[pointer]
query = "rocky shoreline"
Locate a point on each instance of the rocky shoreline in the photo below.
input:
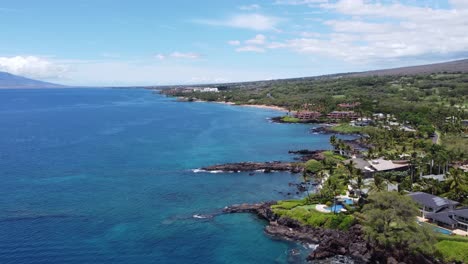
(265, 167)
(331, 243)
(279, 119)
(306, 154)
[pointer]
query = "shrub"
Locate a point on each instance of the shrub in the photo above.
(313, 166)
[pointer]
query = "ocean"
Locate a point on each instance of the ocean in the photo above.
(106, 176)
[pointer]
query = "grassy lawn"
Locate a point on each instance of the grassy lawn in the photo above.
(453, 250)
(346, 129)
(330, 154)
(307, 215)
(453, 141)
(290, 119)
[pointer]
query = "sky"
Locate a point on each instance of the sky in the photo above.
(147, 42)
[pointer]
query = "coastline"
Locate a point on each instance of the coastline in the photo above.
(268, 107)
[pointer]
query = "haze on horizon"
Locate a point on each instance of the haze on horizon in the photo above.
(178, 42)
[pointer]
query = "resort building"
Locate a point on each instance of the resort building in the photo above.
(349, 105)
(389, 165)
(342, 115)
(307, 115)
(441, 211)
(206, 90)
(369, 167)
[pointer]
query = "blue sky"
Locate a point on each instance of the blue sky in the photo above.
(104, 42)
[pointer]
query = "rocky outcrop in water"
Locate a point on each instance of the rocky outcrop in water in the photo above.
(279, 119)
(306, 154)
(256, 166)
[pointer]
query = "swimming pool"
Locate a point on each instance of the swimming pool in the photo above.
(437, 229)
(336, 208)
(442, 230)
(348, 201)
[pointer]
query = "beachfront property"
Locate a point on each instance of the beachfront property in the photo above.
(369, 167)
(383, 165)
(307, 115)
(441, 211)
(342, 115)
(206, 90)
(361, 122)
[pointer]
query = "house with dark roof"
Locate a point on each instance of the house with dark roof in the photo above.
(441, 211)
(429, 203)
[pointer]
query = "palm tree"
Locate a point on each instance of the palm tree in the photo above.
(332, 186)
(378, 185)
(333, 140)
(432, 186)
(457, 183)
(304, 177)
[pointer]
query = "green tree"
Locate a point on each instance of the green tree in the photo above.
(457, 184)
(313, 166)
(390, 223)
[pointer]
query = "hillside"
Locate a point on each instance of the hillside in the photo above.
(459, 66)
(11, 81)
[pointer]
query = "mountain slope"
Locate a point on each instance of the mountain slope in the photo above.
(8, 80)
(450, 67)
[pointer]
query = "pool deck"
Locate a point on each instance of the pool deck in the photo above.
(321, 208)
(421, 219)
(460, 232)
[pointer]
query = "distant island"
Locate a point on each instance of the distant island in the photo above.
(11, 81)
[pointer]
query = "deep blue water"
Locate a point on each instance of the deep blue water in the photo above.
(104, 176)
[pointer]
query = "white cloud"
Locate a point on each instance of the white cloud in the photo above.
(459, 4)
(251, 48)
(256, 44)
(249, 7)
(306, 34)
(181, 55)
(257, 22)
(234, 42)
(371, 30)
(32, 66)
(257, 40)
(178, 55)
(300, 2)
(160, 56)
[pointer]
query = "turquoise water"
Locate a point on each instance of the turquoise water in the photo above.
(349, 201)
(335, 208)
(442, 231)
(104, 176)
